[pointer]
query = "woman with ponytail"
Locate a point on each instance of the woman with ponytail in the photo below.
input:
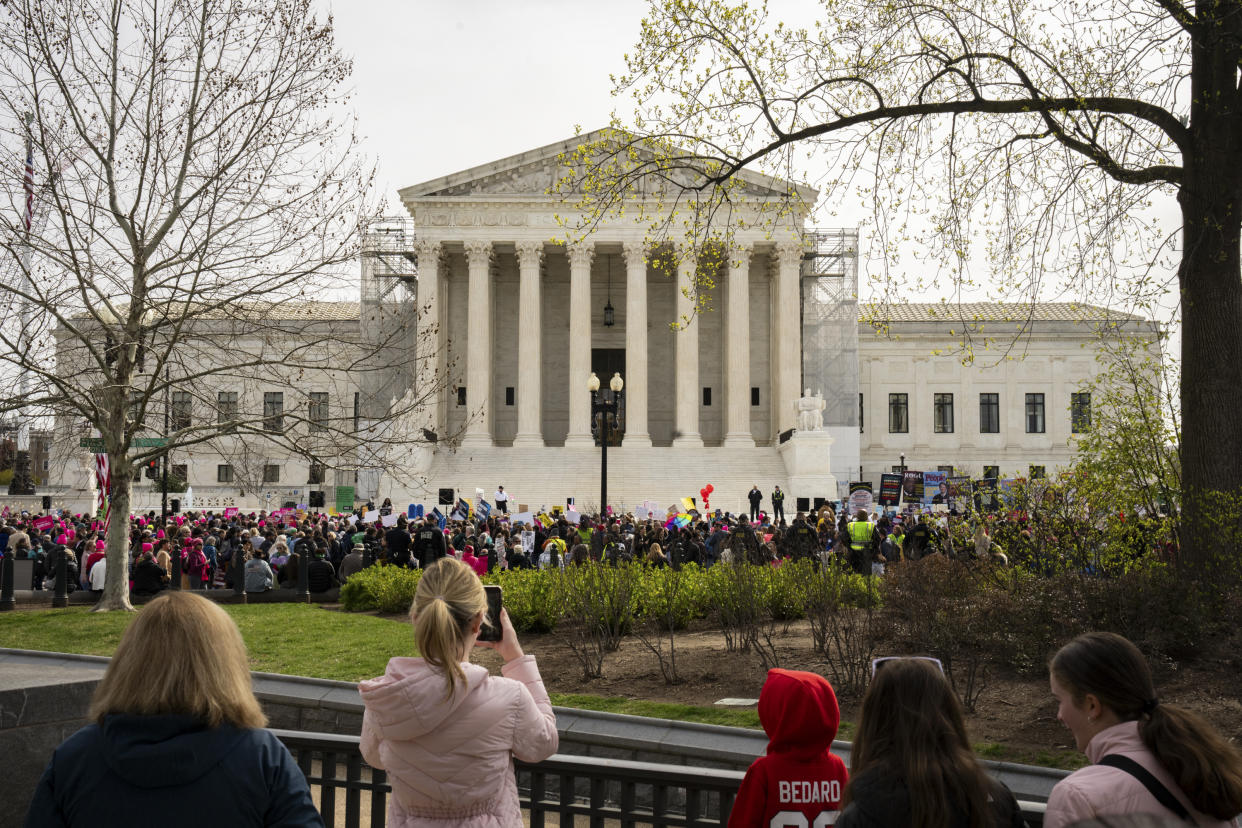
(445, 729)
(1147, 757)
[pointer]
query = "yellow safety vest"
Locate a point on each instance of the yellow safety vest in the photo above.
(860, 534)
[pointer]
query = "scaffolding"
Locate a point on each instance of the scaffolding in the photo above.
(389, 312)
(829, 293)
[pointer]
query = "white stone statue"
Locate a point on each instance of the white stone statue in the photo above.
(810, 411)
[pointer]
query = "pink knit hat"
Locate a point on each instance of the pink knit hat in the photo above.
(99, 546)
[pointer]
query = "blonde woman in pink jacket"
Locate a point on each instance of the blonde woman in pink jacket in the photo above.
(445, 729)
(1147, 757)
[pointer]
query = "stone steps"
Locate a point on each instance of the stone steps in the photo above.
(547, 476)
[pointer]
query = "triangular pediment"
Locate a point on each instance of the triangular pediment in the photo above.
(536, 172)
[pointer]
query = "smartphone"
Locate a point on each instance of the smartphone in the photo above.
(492, 631)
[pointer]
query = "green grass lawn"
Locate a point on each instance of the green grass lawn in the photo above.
(303, 640)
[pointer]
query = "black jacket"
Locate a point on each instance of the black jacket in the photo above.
(170, 770)
(429, 545)
(880, 800)
(148, 577)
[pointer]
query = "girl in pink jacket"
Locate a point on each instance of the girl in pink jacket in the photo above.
(446, 730)
(1147, 757)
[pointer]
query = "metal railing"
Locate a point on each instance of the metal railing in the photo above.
(570, 789)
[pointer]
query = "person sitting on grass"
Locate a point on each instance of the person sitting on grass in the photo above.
(798, 779)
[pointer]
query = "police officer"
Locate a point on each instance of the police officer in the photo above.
(861, 533)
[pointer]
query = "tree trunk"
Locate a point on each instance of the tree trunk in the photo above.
(1211, 292)
(116, 585)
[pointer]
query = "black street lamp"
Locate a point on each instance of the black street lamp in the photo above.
(603, 406)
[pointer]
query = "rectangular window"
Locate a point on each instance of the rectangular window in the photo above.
(461, 395)
(707, 396)
(226, 407)
(991, 471)
(318, 414)
(273, 411)
(179, 414)
(943, 413)
(318, 473)
(946, 469)
(224, 473)
(898, 413)
(180, 471)
(1037, 472)
(1034, 413)
(860, 413)
(509, 395)
(357, 410)
(754, 396)
(989, 413)
(1080, 412)
(271, 474)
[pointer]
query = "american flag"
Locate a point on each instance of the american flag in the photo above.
(28, 186)
(103, 482)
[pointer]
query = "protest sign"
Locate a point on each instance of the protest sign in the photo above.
(389, 520)
(573, 517)
(959, 493)
(44, 523)
(935, 487)
(231, 512)
(641, 513)
(860, 495)
(344, 498)
(890, 489)
(523, 517)
(370, 517)
(912, 487)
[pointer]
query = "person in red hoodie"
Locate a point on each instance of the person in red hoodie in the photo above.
(799, 778)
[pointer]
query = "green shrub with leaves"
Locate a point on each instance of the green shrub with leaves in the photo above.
(534, 598)
(380, 587)
(666, 596)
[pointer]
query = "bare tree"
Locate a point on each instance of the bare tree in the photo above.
(1031, 136)
(203, 186)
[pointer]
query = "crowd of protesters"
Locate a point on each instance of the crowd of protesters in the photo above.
(203, 550)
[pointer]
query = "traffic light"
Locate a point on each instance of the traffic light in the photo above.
(152, 469)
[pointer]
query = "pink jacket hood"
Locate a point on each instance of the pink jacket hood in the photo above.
(452, 757)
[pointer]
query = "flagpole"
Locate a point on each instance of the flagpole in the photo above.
(22, 483)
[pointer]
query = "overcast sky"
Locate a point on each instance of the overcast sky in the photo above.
(445, 85)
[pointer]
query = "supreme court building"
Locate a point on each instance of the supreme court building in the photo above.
(508, 322)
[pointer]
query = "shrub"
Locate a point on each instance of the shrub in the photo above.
(667, 597)
(598, 600)
(532, 597)
(381, 587)
(841, 607)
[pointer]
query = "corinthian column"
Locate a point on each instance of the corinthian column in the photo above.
(580, 255)
(478, 345)
(686, 353)
(530, 338)
(786, 362)
(430, 334)
(737, 349)
(635, 345)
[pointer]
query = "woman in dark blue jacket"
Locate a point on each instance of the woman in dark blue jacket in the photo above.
(177, 735)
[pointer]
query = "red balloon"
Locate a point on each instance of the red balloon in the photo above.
(710, 488)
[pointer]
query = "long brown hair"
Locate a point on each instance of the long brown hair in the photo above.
(911, 726)
(182, 654)
(448, 598)
(1206, 767)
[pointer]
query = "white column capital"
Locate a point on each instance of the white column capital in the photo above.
(634, 252)
(739, 254)
(478, 250)
(788, 253)
(529, 253)
(580, 254)
(428, 249)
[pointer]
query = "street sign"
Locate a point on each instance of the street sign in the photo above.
(96, 444)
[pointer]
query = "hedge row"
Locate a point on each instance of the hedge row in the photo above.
(537, 599)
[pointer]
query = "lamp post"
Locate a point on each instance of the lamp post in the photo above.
(603, 406)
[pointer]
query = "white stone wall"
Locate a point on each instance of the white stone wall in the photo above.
(1056, 360)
